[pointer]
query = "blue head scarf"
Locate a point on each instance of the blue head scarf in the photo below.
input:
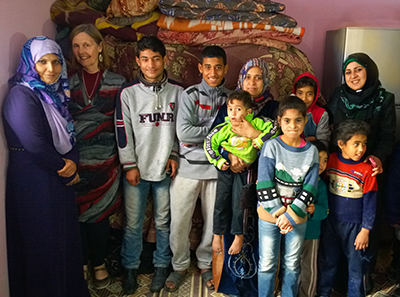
(54, 97)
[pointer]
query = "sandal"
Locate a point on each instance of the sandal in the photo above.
(176, 278)
(101, 283)
(206, 277)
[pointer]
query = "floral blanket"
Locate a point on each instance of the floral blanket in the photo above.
(186, 25)
(269, 18)
(240, 5)
(248, 36)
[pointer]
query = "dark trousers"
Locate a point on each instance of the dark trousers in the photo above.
(95, 241)
(396, 249)
(228, 217)
(337, 238)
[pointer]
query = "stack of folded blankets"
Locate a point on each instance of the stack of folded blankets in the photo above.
(197, 22)
(244, 28)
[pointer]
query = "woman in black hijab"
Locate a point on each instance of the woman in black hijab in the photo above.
(362, 97)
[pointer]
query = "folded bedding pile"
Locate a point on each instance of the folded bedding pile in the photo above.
(244, 28)
(196, 22)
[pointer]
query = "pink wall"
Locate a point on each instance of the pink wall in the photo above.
(22, 19)
(319, 16)
(19, 21)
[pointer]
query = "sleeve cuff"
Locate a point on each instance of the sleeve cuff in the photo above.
(290, 219)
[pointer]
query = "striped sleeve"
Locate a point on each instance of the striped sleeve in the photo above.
(124, 130)
(211, 145)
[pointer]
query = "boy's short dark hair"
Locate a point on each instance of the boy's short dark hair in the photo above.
(242, 96)
(305, 81)
(321, 147)
(151, 43)
(213, 51)
(348, 128)
(292, 102)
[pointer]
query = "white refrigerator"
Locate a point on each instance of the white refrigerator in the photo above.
(381, 44)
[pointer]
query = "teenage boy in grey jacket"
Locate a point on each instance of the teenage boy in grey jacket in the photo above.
(148, 151)
(196, 177)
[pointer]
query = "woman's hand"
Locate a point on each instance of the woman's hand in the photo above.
(75, 180)
(237, 164)
(283, 223)
(377, 167)
(245, 129)
(68, 170)
(362, 239)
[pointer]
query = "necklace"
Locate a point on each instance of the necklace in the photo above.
(94, 86)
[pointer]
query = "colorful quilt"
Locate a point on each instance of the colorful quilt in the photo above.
(129, 8)
(186, 25)
(268, 18)
(240, 5)
(250, 36)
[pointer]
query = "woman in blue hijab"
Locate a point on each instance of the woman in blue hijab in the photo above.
(43, 242)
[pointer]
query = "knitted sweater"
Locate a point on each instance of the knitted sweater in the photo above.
(242, 147)
(321, 211)
(352, 191)
(198, 107)
(286, 174)
(145, 127)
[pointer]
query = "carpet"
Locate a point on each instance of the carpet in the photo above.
(191, 287)
(194, 287)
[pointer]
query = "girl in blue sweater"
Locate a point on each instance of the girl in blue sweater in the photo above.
(287, 185)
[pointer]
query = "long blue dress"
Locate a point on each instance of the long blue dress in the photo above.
(43, 241)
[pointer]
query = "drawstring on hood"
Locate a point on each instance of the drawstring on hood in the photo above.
(157, 86)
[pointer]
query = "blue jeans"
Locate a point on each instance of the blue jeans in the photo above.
(135, 199)
(270, 245)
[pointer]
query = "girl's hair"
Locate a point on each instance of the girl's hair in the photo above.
(306, 81)
(241, 96)
(321, 147)
(95, 34)
(292, 102)
(349, 128)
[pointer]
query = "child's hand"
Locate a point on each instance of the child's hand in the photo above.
(362, 240)
(253, 142)
(311, 208)
(283, 223)
(225, 166)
